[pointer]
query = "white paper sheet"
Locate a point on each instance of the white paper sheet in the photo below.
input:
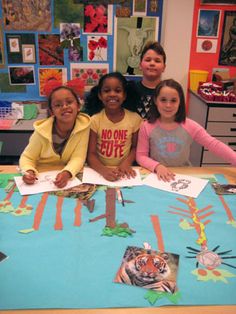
(92, 176)
(182, 184)
(43, 184)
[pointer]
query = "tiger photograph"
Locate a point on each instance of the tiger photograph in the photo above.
(149, 269)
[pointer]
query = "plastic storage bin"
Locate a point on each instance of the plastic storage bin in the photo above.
(197, 76)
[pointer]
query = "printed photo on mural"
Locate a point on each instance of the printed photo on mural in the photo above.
(97, 48)
(218, 2)
(89, 73)
(206, 45)
(47, 75)
(97, 18)
(228, 40)
(27, 15)
(139, 7)
(70, 39)
(28, 53)
(208, 23)
(68, 11)
(50, 50)
(153, 7)
(19, 75)
(133, 33)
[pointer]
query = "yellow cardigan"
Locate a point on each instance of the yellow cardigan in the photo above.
(39, 155)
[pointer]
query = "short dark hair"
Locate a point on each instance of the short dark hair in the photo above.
(62, 87)
(156, 46)
(154, 114)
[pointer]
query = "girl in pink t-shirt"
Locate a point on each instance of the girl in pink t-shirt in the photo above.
(165, 138)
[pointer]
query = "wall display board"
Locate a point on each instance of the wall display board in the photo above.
(82, 39)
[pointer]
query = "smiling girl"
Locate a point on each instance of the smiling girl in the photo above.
(114, 128)
(165, 139)
(58, 142)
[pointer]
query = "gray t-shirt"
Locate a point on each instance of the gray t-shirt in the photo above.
(170, 147)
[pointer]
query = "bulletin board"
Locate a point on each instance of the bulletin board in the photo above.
(212, 45)
(61, 255)
(66, 39)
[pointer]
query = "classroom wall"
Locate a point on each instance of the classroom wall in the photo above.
(30, 27)
(176, 38)
(209, 60)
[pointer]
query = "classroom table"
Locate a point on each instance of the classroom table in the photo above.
(230, 175)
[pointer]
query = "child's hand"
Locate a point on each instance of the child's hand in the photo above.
(62, 178)
(164, 173)
(29, 177)
(126, 171)
(111, 174)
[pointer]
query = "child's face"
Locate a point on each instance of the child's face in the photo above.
(152, 65)
(167, 103)
(112, 94)
(64, 106)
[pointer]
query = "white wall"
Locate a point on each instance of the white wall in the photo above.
(176, 38)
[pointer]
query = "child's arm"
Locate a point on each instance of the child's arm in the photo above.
(200, 135)
(111, 174)
(142, 152)
(125, 166)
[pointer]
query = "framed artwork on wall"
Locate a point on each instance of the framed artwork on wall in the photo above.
(2, 61)
(139, 7)
(228, 43)
(27, 15)
(133, 33)
(206, 45)
(218, 2)
(14, 43)
(51, 74)
(208, 23)
(28, 53)
(89, 73)
(19, 75)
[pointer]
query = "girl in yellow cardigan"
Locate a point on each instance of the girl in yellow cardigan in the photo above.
(58, 142)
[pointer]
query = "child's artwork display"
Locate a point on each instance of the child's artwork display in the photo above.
(44, 183)
(182, 184)
(80, 36)
(93, 177)
(150, 248)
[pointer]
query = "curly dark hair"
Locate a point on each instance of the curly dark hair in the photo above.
(94, 105)
(154, 114)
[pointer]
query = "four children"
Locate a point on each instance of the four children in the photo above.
(164, 140)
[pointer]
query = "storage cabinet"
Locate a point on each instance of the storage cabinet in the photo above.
(15, 139)
(219, 119)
